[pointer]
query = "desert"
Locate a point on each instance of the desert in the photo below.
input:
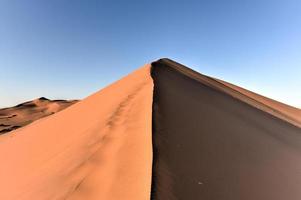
(161, 132)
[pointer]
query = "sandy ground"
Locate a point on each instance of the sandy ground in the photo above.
(211, 142)
(23, 114)
(99, 148)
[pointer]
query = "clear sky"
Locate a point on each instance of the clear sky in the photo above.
(72, 48)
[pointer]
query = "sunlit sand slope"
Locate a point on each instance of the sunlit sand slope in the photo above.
(99, 148)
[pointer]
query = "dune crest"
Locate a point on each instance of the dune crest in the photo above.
(289, 112)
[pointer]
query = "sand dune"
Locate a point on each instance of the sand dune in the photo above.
(163, 132)
(25, 113)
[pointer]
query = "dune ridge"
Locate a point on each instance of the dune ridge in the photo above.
(280, 110)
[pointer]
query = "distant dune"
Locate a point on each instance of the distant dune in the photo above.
(164, 132)
(25, 113)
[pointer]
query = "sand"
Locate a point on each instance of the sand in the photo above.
(163, 132)
(23, 114)
(99, 148)
(212, 143)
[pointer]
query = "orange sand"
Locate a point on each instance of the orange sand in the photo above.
(99, 148)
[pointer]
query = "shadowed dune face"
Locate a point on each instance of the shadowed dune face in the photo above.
(25, 113)
(210, 145)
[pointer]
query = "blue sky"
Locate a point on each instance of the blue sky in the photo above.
(72, 48)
